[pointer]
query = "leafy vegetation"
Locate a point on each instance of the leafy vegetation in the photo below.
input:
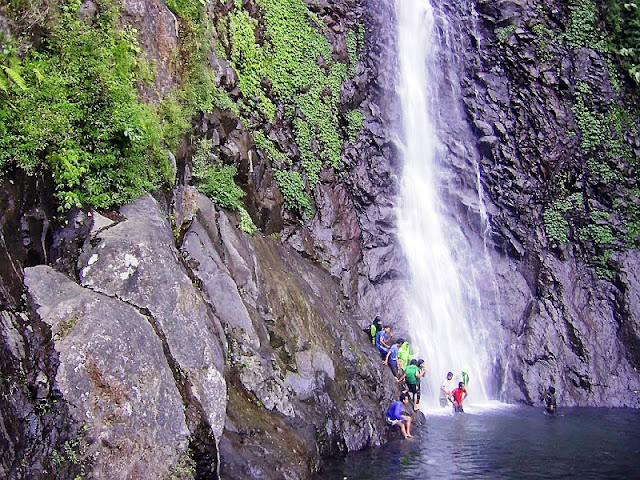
(354, 123)
(555, 224)
(503, 33)
(623, 24)
(292, 63)
(214, 179)
(291, 185)
(583, 30)
(72, 108)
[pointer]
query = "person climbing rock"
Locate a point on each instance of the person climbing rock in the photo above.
(412, 375)
(404, 356)
(459, 394)
(550, 401)
(445, 390)
(392, 357)
(383, 339)
(396, 417)
(376, 327)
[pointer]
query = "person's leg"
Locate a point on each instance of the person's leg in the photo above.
(408, 422)
(394, 369)
(403, 430)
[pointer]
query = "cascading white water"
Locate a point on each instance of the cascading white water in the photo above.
(442, 296)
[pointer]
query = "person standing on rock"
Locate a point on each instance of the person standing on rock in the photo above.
(396, 417)
(412, 375)
(376, 327)
(459, 394)
(392, 357)
(383, 337)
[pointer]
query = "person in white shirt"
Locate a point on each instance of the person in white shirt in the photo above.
(445, 390)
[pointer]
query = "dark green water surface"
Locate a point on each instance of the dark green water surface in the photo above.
(506, 443)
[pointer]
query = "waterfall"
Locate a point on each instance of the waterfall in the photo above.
(443, 297)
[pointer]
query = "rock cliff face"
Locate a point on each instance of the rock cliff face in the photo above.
(566, 303)
(159, 340)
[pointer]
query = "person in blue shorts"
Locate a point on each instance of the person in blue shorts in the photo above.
(396, 417)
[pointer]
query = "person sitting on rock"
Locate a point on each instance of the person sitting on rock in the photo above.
(550, 401)
(392, 357)
(396, 416)
(459, 394)
(383, 337)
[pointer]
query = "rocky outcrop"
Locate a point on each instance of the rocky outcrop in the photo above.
(187, 360)
(563, 316)
(114, 377)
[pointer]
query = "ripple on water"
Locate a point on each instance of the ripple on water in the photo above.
(497, 441)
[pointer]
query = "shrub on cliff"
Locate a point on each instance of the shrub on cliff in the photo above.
(76, 113)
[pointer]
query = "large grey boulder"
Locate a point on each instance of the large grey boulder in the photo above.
(136, 262)
(113, 374)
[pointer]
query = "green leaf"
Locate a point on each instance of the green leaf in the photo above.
(15, 77)
(39, 75)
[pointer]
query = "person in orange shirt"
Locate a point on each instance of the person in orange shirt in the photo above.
(459, 394)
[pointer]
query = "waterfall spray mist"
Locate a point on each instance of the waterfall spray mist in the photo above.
(442, 295)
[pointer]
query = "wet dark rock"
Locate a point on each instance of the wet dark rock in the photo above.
(157, 31)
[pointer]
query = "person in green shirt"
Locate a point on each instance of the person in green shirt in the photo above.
(412, 375)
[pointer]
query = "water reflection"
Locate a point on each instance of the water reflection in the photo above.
(514, 443)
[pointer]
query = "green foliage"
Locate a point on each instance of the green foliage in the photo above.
(292, 187)
(215, 180)
(622, 18)
(604, 268)
(355, 42)
(583, 30)
(544, 36)
(600, 234)
(246, 222)
(503, 33)
(555, 224)
(591, 123)
(601, 170)
(266, 144)
(293, 64)
(629, 209)
(185, 469)
(556, 227)
(354, 123)
(72, 108)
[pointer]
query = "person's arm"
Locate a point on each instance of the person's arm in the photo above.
(386, 359)
(384, 341)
